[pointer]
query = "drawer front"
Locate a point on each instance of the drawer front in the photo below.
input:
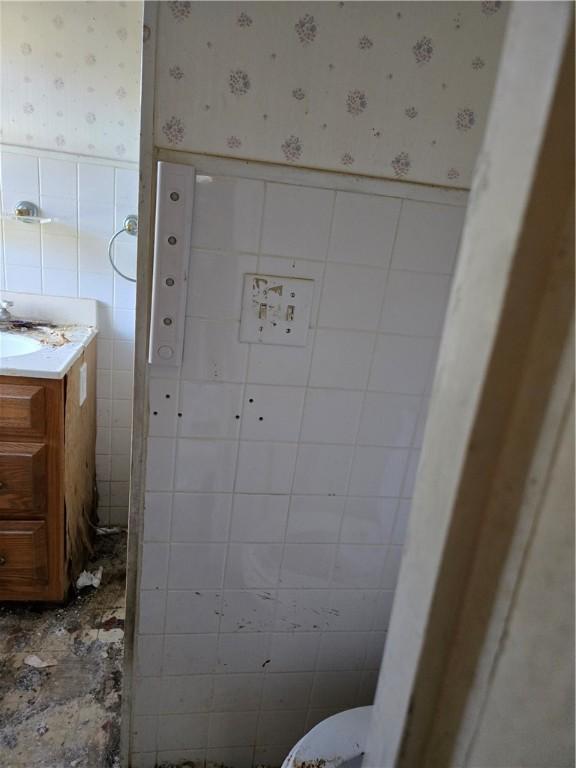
(23, 552)
(22, 409)
(22, 476)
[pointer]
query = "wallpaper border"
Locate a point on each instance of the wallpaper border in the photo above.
(219, 165)
(72, 157)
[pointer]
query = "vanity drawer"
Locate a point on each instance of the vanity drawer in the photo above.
(22, 476)
(22, 409)
(23, 551)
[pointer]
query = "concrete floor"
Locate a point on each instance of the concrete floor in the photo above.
(66, 715)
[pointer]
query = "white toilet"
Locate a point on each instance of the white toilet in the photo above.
(337, 742)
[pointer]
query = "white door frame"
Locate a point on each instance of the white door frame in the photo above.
(146, 196)
(502, 387)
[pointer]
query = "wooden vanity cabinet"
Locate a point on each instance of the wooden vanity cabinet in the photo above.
(47, 473)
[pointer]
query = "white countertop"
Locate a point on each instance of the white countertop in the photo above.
(50, 362)
(76, 320)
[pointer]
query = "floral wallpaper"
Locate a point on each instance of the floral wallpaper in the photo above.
(70, 76)
(392, 89)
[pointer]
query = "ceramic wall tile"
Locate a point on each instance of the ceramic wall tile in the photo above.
(259, 517)
(389, 419)
(227, 214)
(60, 282)
(351, 609)
(265, 467)
(342, 651)
(293, 652)
(205, 465)
(210, 409)
(287, 690)
(189, 655)
(182, 731)
(157, 516)
(232, 729)
(280, 365)
(307, 565)
(300, 610)
(364, 229)
(151, 617)
(368, 520)
(246, 611)
(341, 359)
(200, 516)
(237, 692)
(253, 566)
(415, 303)
(280, 727)
(335, 689)
(146, 695)
(199, 564)
(428, 236)
(67, 257)
(280, 477)
(216, 283)
(402, 364)
(238, 652)
(272, 413)
(322, 469)
(59, 252)
(297, 221)
(314, 518)
(352, 297)
(191, 611)
(186, 694)
(331, 416)
(359, 566)
(20, 179)
(378, 471)
(212, 351)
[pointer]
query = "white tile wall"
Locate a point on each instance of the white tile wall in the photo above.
(279, 478)
(68, 257)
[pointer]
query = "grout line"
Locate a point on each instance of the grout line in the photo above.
(242, 401)
(206, 590)
(319, 327)
(366, 390)
(308, 379)
(272, 591)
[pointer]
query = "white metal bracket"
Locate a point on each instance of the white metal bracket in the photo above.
(174, 205)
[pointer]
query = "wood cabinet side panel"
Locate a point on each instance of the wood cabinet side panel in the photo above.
(79, 462)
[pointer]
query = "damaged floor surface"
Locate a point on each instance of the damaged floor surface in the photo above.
(66, 715)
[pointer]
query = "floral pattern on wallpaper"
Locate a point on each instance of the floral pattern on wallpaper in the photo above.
(70, 76)
(392, 89)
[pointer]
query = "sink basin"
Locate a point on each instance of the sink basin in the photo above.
(13, 345)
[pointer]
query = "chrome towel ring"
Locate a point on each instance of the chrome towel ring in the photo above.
(130, 226)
